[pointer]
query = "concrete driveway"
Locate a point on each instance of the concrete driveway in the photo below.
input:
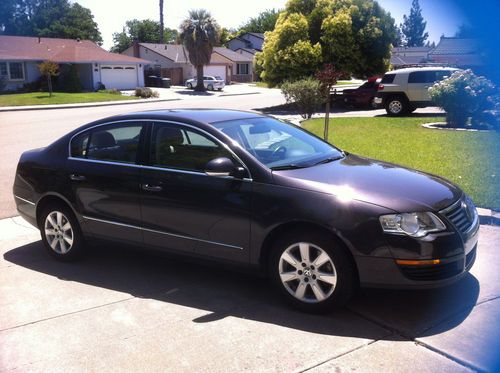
(120, 310)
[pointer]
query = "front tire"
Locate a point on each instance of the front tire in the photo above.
(396, 106)
(190, 86)
(61, 233)
(311, 271)
(210, 87)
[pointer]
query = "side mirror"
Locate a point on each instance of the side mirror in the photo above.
(221, 167)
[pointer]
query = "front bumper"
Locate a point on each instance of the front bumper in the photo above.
(456, 252)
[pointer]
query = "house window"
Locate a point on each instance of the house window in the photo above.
(242, 69)
(3, 69)
(16, 71)
(12, 70)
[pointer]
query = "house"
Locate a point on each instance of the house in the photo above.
(19, 56)
(247, 43)
(459, 52)
(409, 56)
(173, 61)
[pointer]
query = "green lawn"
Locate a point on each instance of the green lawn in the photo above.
(346, 82)
(469, 159)
(42, 98)
(261, 84)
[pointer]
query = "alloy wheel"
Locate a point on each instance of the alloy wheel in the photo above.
(395, 107)
(59, 232)
(307, 272)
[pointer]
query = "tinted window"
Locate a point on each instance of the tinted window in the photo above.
(115, 142)
(420, 77)
(181, 148)
(278, 144)
(79, 145)
(388, 78)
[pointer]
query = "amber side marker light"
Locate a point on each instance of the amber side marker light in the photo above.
(417, 262)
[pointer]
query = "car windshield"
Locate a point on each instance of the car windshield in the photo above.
(279, 145)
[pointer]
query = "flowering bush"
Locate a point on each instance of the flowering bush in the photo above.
(464, 95)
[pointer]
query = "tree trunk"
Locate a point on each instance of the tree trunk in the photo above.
(162, 28)
(49, 83)
(200, 86)
(327, 118)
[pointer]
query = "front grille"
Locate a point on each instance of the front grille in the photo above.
(433, 272)
(461, 214)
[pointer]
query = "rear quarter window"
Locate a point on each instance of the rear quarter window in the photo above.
(388, 78)
(79, 146)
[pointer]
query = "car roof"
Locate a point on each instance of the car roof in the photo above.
(427, 68)
(196, 115)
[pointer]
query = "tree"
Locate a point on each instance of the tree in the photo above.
(49, 69)
(354, 35)
(265, 21)
(145, 31)
(199, 34)
(327, 77)
(49, 18)
(288, 53)
(162, 26)
(413, 27)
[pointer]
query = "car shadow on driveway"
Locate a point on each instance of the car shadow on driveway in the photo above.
(223, 292)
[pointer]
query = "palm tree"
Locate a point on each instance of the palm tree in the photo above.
(199, 34)
(162, 28)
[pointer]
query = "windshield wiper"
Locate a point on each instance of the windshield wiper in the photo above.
(328, 160)
(291, 166)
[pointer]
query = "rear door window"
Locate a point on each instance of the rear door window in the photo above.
(115, 142)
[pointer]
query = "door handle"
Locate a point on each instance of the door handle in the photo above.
(76, 177)
(151, 188)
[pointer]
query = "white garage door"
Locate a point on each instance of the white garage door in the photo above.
(119, 76)
(215, 71)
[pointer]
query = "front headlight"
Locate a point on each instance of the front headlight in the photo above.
(414, 224)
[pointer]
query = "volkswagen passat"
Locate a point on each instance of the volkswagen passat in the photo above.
(244, 188)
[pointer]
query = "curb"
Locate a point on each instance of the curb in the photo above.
(240, 94)
(437, 126)
(84, 105)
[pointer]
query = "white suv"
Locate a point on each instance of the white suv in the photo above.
(402, 91)
(210, 82)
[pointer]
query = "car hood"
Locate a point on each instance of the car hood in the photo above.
(380, 183)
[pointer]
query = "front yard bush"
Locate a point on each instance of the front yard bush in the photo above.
(146, 92)
(305, 94)
(69, 80)
(465, 95)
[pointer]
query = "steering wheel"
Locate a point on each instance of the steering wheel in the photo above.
(279, 151)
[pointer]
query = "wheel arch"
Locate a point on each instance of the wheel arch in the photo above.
(53, 197)
(284, 228)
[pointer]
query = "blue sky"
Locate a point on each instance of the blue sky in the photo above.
(442, 16)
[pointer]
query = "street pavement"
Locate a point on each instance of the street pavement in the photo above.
(120, 310)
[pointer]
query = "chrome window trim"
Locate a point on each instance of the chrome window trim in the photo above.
(133, 165)
(160, 232)
(24, 200)
(151, 122)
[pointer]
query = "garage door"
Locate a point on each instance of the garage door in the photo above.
(215, 71)
(119, 76)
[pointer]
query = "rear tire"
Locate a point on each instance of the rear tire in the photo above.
(190, 86)
(210, 87)
(311, 271)
(396, 106)
(61, 233)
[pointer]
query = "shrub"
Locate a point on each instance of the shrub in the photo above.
(112, 91)
(70, 81)
(464, 95)
(100, 86)
(146, 92)
(3, 82)
(305, 94)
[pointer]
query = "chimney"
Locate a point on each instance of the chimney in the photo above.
(135, 44)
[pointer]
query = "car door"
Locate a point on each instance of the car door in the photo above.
(417, 82)
(184, 209)
(105, 179)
